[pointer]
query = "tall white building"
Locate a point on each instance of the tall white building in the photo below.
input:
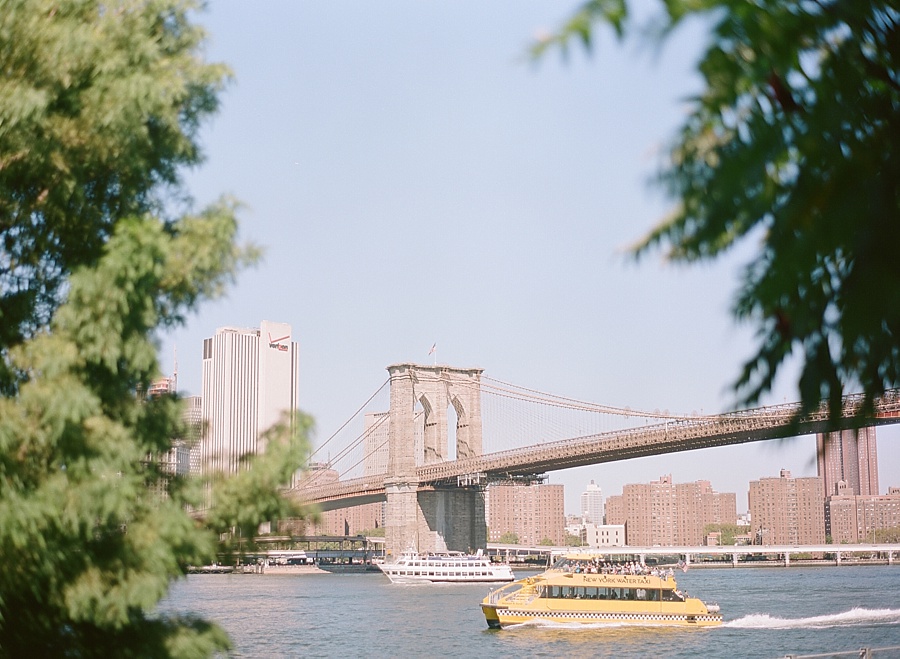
(376, 436)
(592, 504)
(250, 380)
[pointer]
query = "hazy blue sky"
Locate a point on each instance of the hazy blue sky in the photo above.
(415, 180)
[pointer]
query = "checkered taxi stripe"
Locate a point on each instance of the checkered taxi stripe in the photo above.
(618, 617)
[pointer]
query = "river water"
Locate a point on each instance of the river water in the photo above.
(769, 612)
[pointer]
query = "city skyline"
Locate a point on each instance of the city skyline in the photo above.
(417, 182)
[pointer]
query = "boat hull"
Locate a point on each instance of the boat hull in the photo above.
(499, 617)
(414, 579)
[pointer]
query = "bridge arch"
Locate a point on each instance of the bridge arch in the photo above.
(435, 388)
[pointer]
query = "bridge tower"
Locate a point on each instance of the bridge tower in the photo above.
(439, 518)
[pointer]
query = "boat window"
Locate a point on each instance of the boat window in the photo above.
(671, 596)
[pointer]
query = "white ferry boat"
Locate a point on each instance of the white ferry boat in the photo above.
(454, 567)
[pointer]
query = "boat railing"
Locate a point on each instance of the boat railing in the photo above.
(513, 591)
(522, 598)
(509, 590)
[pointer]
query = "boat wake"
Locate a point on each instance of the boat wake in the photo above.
(851, 618)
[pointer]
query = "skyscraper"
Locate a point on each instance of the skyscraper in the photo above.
(851, 456)
(250, 380)
(592, 504)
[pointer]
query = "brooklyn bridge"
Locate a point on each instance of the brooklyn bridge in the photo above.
(444, 433)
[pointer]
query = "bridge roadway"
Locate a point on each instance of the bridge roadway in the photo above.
(670, 436)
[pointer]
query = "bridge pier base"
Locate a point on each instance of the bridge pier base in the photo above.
(401, 517)
(437, 520)
(452, 519)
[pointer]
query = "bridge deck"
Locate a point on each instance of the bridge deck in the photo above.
(668, 437)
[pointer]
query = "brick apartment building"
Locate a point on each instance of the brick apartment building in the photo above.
(669, 514)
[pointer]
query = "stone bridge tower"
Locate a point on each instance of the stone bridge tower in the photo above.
(438, 518)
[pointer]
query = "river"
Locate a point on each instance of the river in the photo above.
(769, 612)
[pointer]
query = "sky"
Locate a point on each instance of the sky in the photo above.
(416, 180)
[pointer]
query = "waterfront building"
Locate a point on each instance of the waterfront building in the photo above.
(667, 514)
(357, 520)
(604, 535)
(193, 421)
(250, 381)
(854, 518)
(343, 521)
(534, 512)
(575, 527)
(850, 456)
(592, 504)
(376, 433)
(787, 510)
(614, 510)
(176, 460)
(163, 385)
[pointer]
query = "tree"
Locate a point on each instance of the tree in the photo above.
(509, 538)
(99, 103)
(888, 535)
(728, 532)
(573, 540)
(794, 141)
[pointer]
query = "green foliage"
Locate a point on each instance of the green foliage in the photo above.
(546, 542)
(373, 533)
(509, 538)
(793, 142)
(573, 540)
(99, 107)
(241, 501)
(90, 550)
(889, 535)
(728, 532)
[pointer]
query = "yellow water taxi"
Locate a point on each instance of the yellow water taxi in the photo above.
(581, 588)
